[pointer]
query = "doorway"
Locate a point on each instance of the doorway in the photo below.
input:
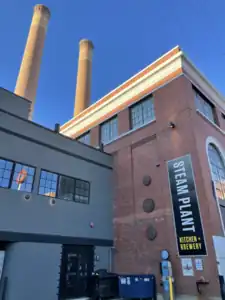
(77, 266)
(219, 246)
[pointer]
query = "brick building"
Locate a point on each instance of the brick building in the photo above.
(168, 111)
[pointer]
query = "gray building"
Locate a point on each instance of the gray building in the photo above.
(55, 208)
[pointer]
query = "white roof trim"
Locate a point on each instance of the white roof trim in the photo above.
(130, 86)
(179, 60)
(152, 77)
(200, 81)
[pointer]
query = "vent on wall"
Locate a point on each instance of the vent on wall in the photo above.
(27, 197)
(52, 201)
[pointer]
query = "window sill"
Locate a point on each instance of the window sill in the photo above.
(10, 189)
(130, 131)
(66, 200)
(208, 120)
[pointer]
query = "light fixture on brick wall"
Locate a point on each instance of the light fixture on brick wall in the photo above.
(171, 125)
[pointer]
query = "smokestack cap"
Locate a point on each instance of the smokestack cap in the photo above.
(86, 41)
(43, 10)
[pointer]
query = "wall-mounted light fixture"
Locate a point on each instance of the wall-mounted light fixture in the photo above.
(92, 225)
(171, 125)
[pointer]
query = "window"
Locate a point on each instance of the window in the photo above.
(48, 184)
(23, 177)
(109, 130)
(5, 173)
(64, 187)
(142, 113)
(16, 176)
(82, 191)
(85, 138)
(205, 107)
(218, 171)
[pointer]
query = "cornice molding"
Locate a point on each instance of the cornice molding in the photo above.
(161, 70)
(96, 112)
(200, 81)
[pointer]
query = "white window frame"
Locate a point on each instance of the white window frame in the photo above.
(109, 123)
(199, 99)
(81, 138)
(140, 103)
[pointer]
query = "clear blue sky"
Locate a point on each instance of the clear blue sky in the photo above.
(127, 34)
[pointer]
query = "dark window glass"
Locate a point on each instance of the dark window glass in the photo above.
(48, 184)
(5, 173)
(142, 113)
(109, 131)
(85, 138)
(205, 107)
(82, 191)
(66, 188)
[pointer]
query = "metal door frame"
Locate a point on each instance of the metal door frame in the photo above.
(75, 249)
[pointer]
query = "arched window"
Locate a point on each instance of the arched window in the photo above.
(217, 172)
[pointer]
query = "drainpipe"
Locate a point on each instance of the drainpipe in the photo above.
(111, 250)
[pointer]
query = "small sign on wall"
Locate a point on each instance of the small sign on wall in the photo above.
(199, 264)
(187, 267)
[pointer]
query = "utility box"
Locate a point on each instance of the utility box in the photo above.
(137, 286)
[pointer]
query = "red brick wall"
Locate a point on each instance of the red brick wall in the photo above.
(95, 136)
(123, 121)
(145, 152)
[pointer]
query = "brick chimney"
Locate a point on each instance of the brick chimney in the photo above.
(27, 81)
(83, 87)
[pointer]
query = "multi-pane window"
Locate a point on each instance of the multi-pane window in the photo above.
(109, 130)
(205, 107)
(16, 176)
(82, 191)
(64, 187)
(85, 138)
(48, 184)
(5, 173)
(218, 171)
(23, 177)
(142, 113)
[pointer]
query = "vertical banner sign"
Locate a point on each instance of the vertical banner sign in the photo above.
(187, 219)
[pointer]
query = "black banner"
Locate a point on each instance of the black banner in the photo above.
(190, 236)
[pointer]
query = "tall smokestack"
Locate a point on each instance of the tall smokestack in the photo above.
(83, 88)
(27, 81)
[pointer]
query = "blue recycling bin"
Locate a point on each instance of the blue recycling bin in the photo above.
(137, 286)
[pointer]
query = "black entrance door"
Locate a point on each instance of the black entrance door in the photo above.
(76, 268)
